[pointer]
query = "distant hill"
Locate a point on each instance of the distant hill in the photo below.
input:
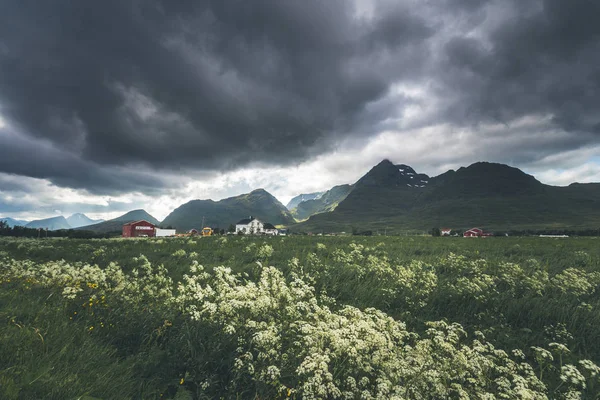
(326, 202)
(52, 224)
(258, 203)
(395, 198)
(14, 222)
(116, 224)
(136, 215)
(293, 203)
(78, 220)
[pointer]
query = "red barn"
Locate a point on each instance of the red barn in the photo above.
(477, 232)
(473, 232)
(139, 229)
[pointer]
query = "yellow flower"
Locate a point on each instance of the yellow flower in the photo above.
(289, 392)
(181, 381)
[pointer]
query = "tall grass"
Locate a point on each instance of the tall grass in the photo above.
(334, 318)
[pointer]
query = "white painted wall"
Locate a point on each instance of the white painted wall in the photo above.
(164, 232)
(254, 226)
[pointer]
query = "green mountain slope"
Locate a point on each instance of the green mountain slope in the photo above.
(258, 203)
(326, 202)
(136, 215)
(52, 224)
(488, 195)
(116, 224)
(293, 203)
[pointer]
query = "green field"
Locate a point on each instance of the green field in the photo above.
(302, 317)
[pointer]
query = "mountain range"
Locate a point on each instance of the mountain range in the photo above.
(395, 198)
(54, 223)
(14, 222)
(216, 214)
(390, 198)
(220, 214)
(116, 224)
(78, 220)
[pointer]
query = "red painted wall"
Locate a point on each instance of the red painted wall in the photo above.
(139, 229)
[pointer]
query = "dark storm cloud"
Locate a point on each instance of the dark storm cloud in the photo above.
(21, 156)
(203, 83)
(544, 58)
(178, 85)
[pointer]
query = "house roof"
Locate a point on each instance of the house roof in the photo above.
(135, 222)
(267, 225)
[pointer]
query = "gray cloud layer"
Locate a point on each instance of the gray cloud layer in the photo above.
(90, 88)
(544, 57)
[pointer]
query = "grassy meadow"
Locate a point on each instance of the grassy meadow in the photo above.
(301, 317)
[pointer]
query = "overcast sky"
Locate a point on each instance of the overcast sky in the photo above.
(107, 106)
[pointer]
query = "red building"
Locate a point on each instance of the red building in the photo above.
(139, 229)
(473, 232)
(476, 232)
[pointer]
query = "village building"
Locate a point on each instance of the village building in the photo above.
(139, 229)
(476, 232)
(165, 232)
(445, 231)
(473, 232)
(249, 225)
(254, 226)
(269, 229)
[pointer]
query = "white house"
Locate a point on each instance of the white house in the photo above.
(249, 226)
(445, 231)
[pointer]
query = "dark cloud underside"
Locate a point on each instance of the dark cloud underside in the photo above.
(192, 82)
(220, 84)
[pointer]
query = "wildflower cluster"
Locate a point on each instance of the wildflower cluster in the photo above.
(288, 339)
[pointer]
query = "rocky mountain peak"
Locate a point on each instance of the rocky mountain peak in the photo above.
(387, 174)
